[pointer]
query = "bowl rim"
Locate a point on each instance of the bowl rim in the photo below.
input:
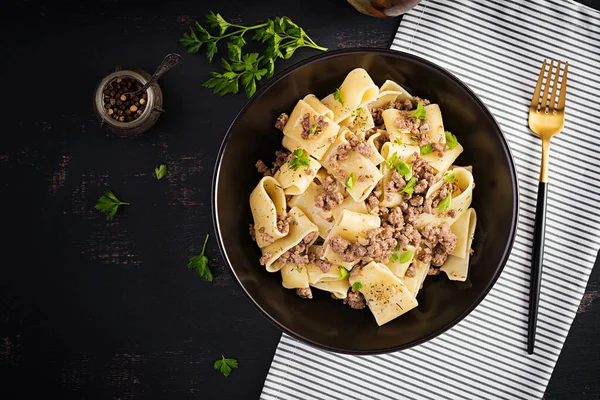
(399, 55)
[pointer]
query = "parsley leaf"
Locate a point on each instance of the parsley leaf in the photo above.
(224, 365)
(108, 203)
(299, 157)
(350, 181)
(343, 273)
(398, 140)
(419, 112)
(299, 270)
(450, 178)
(405, 257)
(410, 186)
(445, 203)
(427, 149)
(313, 129)
(337, 95)
(160, 171)
(357, 286)
(199, 263)
(451, 140)
(397, 247)
(394, 257)
(414, 138)
(282, 37)
(400, 166)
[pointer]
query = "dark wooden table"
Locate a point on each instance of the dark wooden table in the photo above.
(97, 308)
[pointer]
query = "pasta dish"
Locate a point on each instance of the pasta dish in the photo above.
(364, 200)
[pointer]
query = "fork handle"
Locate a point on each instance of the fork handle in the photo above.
(536, 264)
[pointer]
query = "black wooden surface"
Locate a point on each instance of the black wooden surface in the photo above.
(91, 308)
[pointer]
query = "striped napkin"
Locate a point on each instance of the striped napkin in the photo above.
(497, 48)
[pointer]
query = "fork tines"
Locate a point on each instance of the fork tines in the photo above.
(550, 103)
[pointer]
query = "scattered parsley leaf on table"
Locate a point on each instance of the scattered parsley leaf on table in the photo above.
(224, 365)
(160, 171)
(299, 157)
(282, 37)
(199, 263)
(108, 203)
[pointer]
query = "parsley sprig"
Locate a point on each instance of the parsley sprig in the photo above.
(225, 365)
(199, 263)
(108, 203)
(281, 35)
(160, 171)
(357, 286)
(451, 140)
(404, 169)
(299, 158)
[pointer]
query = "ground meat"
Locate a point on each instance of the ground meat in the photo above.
(328, 201)
(444, 191)
(281, 157)
(443, 241)
(373, 203)
(417, 99)
(370, 132)
(408, 235)
(424, 128)
(267, 239)
(340, 154)
(331, 197)
(305, 293)
(411, 214)
(364, 148)
(439, 148)
(425, 255)
(297, 255)
(309, 171)
(376, 114)
(411, 271)
(323, 265)
(427, 209)
(281, 121)
(355, 300)
(452, 213)
(395, 218)
(422, 170)
(378, 246)
(396, 183)
(403, 105)
(411, 124)
(265, 257)
(312, 129)
(252, 232)
(283, 223)
(421, 186)
(416, 201)
(433, 271)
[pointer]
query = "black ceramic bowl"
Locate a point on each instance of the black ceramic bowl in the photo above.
(322, 321)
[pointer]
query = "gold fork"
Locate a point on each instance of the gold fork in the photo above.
(546, 119)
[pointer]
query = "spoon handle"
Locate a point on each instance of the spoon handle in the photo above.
(169, 62)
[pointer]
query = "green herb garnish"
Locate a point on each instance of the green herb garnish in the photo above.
(224, 365)
(313, 129)
(299, 270)
(419, 112)
(199, 263)
(445, 203)
(427, 149)
(357, 286)
(451, 140)
(108, 203)
(398, 140)
(343, 273)
(160, 171)
(282, 37)
(405, 257)
(337, 95)
(299, 158)
(400, 166)
(410, 186)
(350, 181)
(450, 178)
(394, 257)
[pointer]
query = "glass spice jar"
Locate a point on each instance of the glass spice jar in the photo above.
(143, 122)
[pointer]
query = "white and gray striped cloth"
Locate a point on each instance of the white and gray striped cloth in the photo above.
(497, 48)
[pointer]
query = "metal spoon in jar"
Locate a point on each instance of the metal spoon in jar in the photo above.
(169, 62)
